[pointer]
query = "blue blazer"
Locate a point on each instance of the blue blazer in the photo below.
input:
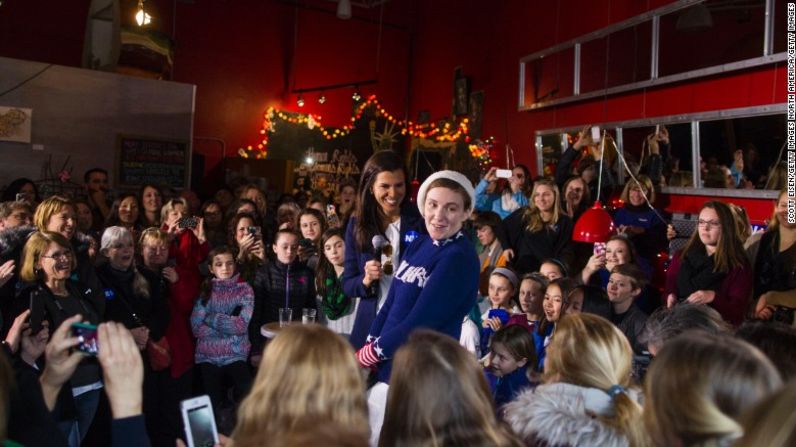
(354, 270)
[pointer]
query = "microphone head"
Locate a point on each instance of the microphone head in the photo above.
(379, 242)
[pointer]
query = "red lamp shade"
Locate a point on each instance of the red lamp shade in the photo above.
(594, 225)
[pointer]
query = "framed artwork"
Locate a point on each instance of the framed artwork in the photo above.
(15, 124)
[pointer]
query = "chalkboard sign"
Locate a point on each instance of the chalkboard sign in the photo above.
(142, 160)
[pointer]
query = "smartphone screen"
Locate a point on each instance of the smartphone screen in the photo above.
(87, 336)
(595, 134)
(201, 426)
(36, 313)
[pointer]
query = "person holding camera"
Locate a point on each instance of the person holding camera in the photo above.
(514, 195)
(245, 236)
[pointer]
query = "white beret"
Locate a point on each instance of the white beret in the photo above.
(450, 175)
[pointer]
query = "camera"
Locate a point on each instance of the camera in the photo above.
(188, 222)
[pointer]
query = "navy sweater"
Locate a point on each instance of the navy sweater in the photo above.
(435, 286)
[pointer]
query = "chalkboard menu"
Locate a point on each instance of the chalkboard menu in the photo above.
(142, 160)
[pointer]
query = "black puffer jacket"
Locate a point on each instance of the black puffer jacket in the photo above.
(277, 285)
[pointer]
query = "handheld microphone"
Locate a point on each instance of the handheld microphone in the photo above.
(379, 242)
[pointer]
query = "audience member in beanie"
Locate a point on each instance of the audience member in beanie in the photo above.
(383, 209)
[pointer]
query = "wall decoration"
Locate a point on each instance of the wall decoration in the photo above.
(320, 172)
(15, 124)
(476, 113)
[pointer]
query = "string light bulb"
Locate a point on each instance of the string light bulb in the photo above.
(356, 96)
(300, 101)
(322, 99)
(141, 17)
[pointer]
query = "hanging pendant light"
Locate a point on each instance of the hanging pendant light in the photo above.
(595, 224)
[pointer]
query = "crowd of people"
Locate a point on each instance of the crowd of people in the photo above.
(467, 317)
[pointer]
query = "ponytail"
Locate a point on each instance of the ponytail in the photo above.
(627, 420)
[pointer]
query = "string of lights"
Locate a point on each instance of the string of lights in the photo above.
(445, 132)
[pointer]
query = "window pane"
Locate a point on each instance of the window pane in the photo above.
(625, 53)
(676, 160)
(550, 77)
(712, 33)
(757, 140)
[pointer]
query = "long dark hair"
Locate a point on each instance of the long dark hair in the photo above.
(730, 253)
(207, 285)
(113, 216)
(370, 219)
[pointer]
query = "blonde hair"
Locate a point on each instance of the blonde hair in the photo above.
(49, 207)
(439, 397)
(169, 207)
(307, 371)
(644, 183)
(773, 223)
(772, 422)
(700, 384)
(153, 234)
(533, 216)
(590, 351)
(37, 244)
(113, 236)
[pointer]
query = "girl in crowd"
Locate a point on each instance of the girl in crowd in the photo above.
(382, 209)
(699, 386)
(308, 375)
(532, 288)
(775, 266)
(514, 194)
(246, 236)
(257, 195)
(286, 216)
(151, 200)
(285, 283)
(436, 284)
(576, 197)
(636, 219)
(346, 200)
(130, 301)
(214, 223)
(461, 412)
(312, 224)
(337, 309)
(555, 306)
(162, 396)
(502, 303)
(85, 220)
(125, 212)
(619, 250)
(507, 373)
(537, 231)
(712, 268)
(553, 269)
(48, 261)
(589, 299)
(585, 398)
(220, 323)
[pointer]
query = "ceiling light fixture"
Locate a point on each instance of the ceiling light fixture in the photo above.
(141, 17)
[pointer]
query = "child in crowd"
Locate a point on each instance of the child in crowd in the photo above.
(491, 257)
(502, 295)
(312, 224)
(553, 269)
(284, 282)
(337, 309)
(624, 286)
(555, 306)
(507, 373)
(532, 288)
(220, 321)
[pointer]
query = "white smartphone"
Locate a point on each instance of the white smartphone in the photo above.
(595, 134)
(503, 173)
(657, 129)
(199, 422)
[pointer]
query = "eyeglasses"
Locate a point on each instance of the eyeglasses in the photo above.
(708, 223)
(60, 255)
